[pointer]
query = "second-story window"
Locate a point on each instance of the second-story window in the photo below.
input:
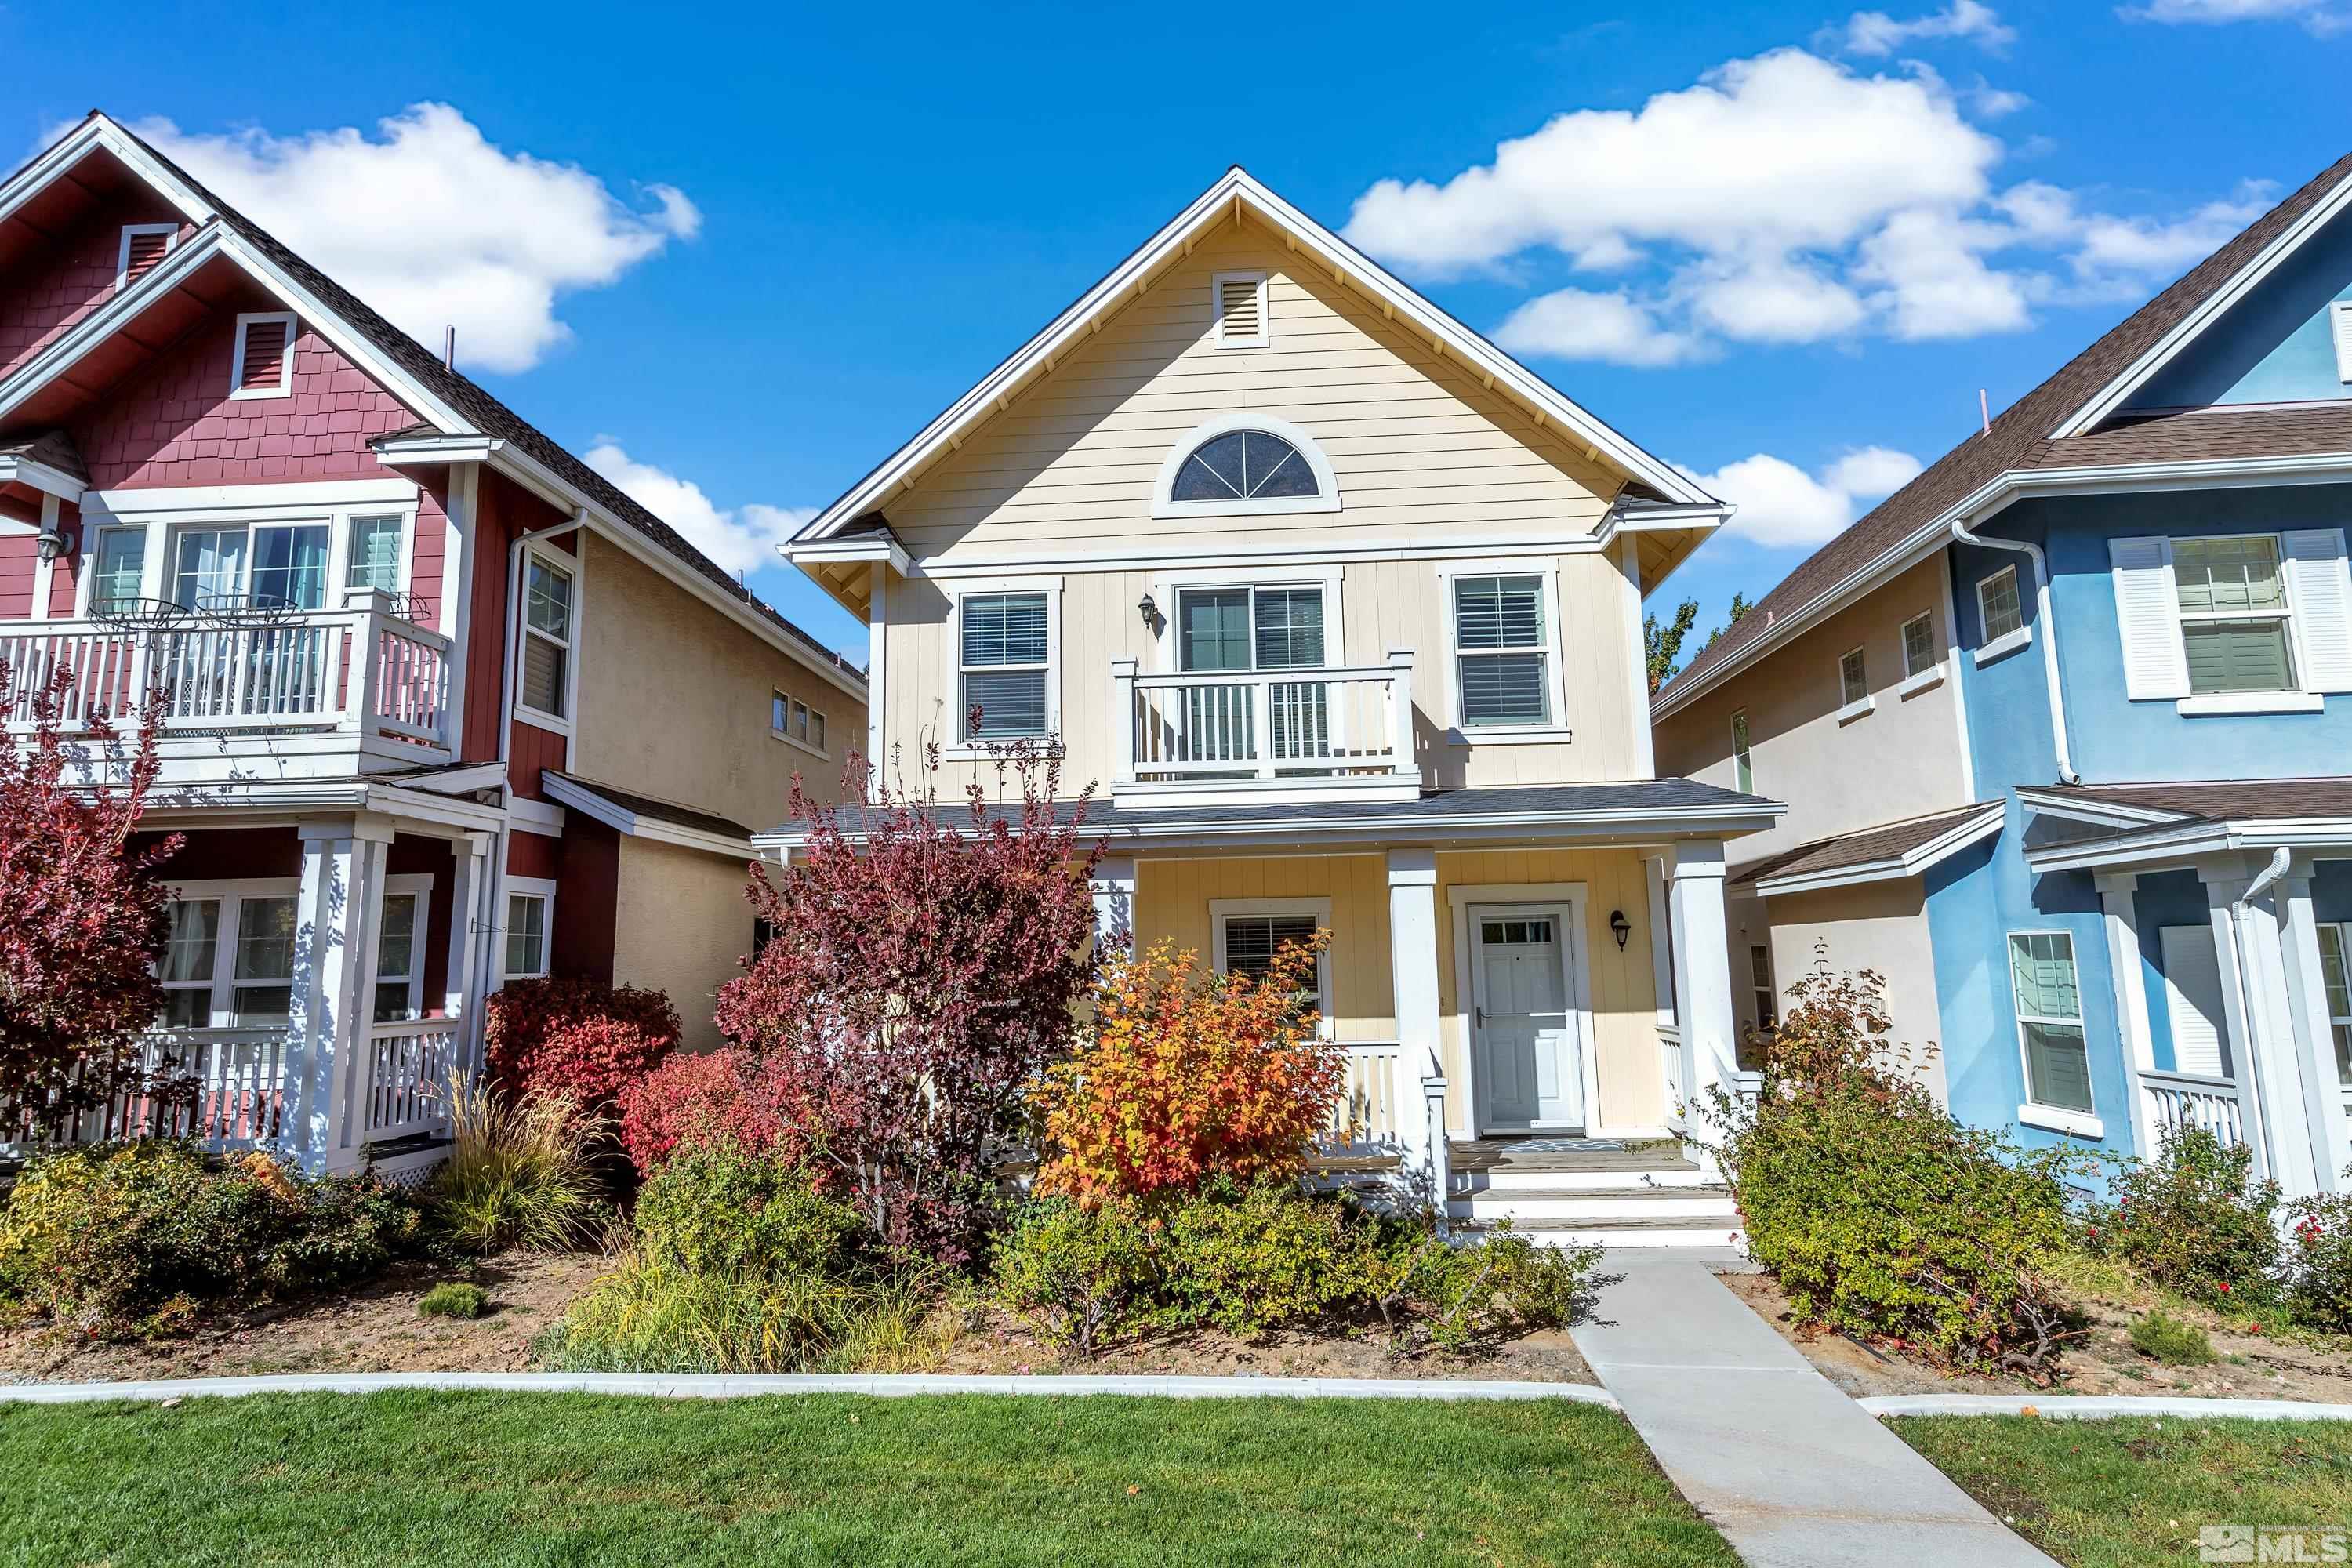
(1742, 769)
(279, 566)
(1919, 645)
(117, 567)
(373, 561)
(545, 685)
(2233, 614)
(1006, 666)
(1998, 608)
(1503, 650)
(1853, 677)
(793, 719)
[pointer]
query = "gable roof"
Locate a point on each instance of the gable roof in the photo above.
(1876, 854)
(454, 403)
(2024, 438)
(1237, 193)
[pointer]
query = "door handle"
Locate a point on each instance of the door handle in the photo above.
(1480, 1014)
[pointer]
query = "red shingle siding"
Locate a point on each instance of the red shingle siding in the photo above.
(531, 750)
(177, 425)
(17, 557)
(429, 547)
(58, 286)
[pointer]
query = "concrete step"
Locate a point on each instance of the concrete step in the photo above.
(1517, 1177)
(1667, 1230)
(1593, 1203)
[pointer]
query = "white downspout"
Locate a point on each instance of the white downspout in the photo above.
(2248, 1004)
(2048, 636)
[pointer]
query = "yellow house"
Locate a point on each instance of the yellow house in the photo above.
(1339, 608)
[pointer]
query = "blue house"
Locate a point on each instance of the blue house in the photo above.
(2066, 730)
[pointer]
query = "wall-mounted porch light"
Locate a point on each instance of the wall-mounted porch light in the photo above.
(1620, 927)
(1150, 611)
(51, 542)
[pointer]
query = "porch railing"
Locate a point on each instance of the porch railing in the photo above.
(2193, 1100)
(407, 1069)
(1364, 1120)
(1339, 723)
(240, 1091)
(362, 669)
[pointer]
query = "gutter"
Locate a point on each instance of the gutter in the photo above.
(2066, 773)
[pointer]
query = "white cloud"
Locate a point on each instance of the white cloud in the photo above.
(1571, 323)
(1783, 507)
(1784, 199)
(2318, 16)
(740, 539)
(434, 227)
(1876, 33)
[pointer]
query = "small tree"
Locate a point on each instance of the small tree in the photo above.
(926, 966)
(1183, 1081)
(82, 922)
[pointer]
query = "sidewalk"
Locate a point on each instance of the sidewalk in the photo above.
(1792, 1472)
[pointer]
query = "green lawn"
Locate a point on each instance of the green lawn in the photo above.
(2102, 1494)
(419, 1476)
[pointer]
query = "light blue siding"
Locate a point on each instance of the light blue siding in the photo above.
(2273, 346)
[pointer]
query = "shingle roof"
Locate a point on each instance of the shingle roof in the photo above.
(2017, 437)
(53, 449)
(2226, 800)
(660, 810)
(2204, 435)
(487, 414)
(1841, 851)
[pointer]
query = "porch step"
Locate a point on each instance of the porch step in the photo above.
(1665, 1230)
(1523, 1205)
(1529, 1178)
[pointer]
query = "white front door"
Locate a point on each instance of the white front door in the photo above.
(1525, 1016)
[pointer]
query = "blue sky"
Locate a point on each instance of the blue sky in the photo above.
(1783, 246)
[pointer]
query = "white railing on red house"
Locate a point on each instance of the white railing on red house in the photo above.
(407, 1067)
(302, 671)
(230, 1091)
(1344, 725)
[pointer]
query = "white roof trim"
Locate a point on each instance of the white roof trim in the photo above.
(580, 798)
(2196, 839)
(1893, 867)
(2098, 813)
(95, 132)
(35, 474)
(2162, 352)
(1234, 193)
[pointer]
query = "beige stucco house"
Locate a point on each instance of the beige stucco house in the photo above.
(1340, 609)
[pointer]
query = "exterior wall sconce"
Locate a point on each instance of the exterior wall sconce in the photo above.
(1620, 927)
(51, 543)
(1150, 611)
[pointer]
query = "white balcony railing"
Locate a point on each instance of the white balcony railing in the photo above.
(407, 1067)
(1347, 729)
(363, 669)
(2192, 1099)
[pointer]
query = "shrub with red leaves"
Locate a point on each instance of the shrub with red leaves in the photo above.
(729, 1096)
(82, 922)
(580, 1038)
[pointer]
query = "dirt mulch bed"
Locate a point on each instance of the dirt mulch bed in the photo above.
(996, 1342)
(375, 1327)
(2252, 1366)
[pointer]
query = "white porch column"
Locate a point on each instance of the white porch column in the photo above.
(334, 958)
(469, 937)
(1702, 1015)
(2117, 891)
(1412, 965)
(2314, 1034)
(877, 625)
(1114, 890)
(2261, 1029)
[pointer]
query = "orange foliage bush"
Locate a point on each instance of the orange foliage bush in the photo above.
(1186, 1077)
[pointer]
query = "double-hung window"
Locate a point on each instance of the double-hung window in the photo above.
(262, 982)
(1502, 651)
(373, 560)
(547, 625)
(1759, 978)
(1005, 655)
(117, 566)
(1743, 767)
(2233, 614)
(1249, 932)
(399, 955)
(2050, 1020)
(191, 956)
(1853, 677)
(2000, 611)
(528, 915)
(1919, 645)
(2336, 973)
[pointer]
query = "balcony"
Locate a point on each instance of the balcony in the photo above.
(323, 693)
(1265, 736)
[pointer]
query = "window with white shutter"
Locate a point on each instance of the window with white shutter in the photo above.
(2339, 329)
(2147, 617)
(2319, 588)
(1241, 309)
(263, 364)
(143, 245)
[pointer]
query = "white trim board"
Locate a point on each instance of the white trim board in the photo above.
(1893, 867)
(580, 797)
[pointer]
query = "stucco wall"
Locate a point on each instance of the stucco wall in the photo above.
(1880, 926)
(680, 924)
(674, 700)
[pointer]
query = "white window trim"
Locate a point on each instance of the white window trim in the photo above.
(2003, 645)
(285, 387)
(961, 748)
(2343, 929)
(420, 884)
(1902, 641)
(1217, 311)
(404, 562)
(786, 736)
(1662, 957)
(512, 887)
(2296, 698)
(2249, 702)
(1765, 992)
(1325, 483)
(1933, 675)
(571, 566)
(1220, 910)
(1743, 751)
(1558, 731)
(170, 231)
(2009, 641)
(1844, 700)
(1860, 708)
(2056, 1118)
(233, 892)
(165, 526)
(1168, 589)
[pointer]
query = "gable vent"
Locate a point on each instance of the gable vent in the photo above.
(1241, 309)
(263, 345)
(142, 248)
(2339, 324)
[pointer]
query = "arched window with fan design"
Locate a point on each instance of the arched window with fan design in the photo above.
(1243, 465)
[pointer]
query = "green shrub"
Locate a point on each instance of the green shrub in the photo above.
(454, 1299)
(2170, 1340)
(2192, 1220)
(1080, 1277)
(2319, 1262)
(717, 1209)
(521, 1173)
(1264, 1258)
(133, 1237)
(1881, 1216)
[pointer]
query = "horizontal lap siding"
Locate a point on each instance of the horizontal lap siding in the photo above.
(1172, 902)
(1415, 440)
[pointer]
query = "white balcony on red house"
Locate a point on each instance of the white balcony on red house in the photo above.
(1266, 736)
(314, 694)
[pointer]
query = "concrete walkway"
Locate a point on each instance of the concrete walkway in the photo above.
(1791, 1470)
